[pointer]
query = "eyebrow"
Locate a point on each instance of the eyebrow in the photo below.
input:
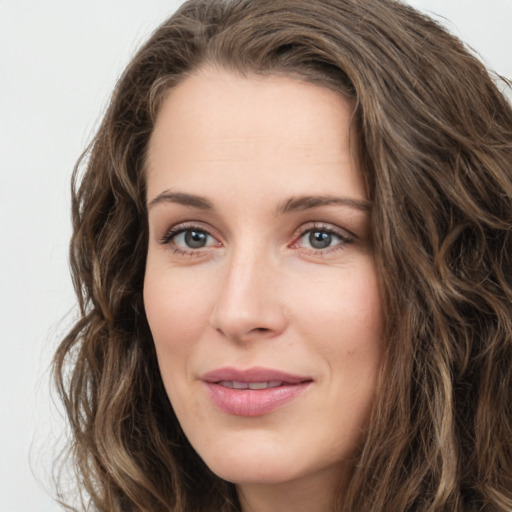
(181, 198)
(293, 204)
(306, 202)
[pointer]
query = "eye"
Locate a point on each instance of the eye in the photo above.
(189, 239)
(317, 239)
(193, 239)
(320, 239)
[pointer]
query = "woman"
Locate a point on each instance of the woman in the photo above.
(292, 252)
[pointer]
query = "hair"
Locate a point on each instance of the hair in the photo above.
(434, 136)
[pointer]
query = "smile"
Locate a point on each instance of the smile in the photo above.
(253, 392)
(233, 384)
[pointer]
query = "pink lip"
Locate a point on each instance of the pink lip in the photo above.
(253, 402)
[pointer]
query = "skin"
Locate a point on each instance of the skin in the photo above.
(259, 292)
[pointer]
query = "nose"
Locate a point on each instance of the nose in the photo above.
(248, 305)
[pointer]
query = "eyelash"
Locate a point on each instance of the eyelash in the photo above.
(175, 231)
(344, 237)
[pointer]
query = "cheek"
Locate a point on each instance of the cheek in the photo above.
(177, 310)
(345, 312)
(343, 319)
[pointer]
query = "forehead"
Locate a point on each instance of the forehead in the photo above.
(220, 125)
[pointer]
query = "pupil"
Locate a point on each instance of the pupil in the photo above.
(195, 239)
(320, 239)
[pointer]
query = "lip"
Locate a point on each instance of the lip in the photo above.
(253, 402)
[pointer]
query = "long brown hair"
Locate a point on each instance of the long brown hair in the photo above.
(435, 141)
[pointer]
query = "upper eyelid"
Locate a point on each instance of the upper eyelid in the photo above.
(343, 240)
(180, 227)
(326, 226)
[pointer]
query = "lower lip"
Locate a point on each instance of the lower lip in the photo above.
(254, 402)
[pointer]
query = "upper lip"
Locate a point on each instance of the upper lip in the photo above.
(255, 374)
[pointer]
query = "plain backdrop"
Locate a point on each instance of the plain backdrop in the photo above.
(59, 60)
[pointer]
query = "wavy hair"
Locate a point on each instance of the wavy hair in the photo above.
(435, 142)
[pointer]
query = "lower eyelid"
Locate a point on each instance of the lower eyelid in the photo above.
(177, 230)
(337, 240)
(180, 248)
(168, 238)
(341, 240)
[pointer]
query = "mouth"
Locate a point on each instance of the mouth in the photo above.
(253, 392)
(233, 384)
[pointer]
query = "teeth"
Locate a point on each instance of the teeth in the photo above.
(233, 384)
(258, 385)
(240, 385)
(264, 385)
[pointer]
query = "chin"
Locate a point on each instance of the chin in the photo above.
(255, 472)
(249, 460)
(252, 461)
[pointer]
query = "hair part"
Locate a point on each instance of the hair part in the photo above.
(434, 139)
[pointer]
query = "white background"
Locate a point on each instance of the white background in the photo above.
(59, 60)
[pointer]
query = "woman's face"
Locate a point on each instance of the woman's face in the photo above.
(261, 289)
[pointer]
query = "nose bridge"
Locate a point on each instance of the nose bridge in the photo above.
(247, 303)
